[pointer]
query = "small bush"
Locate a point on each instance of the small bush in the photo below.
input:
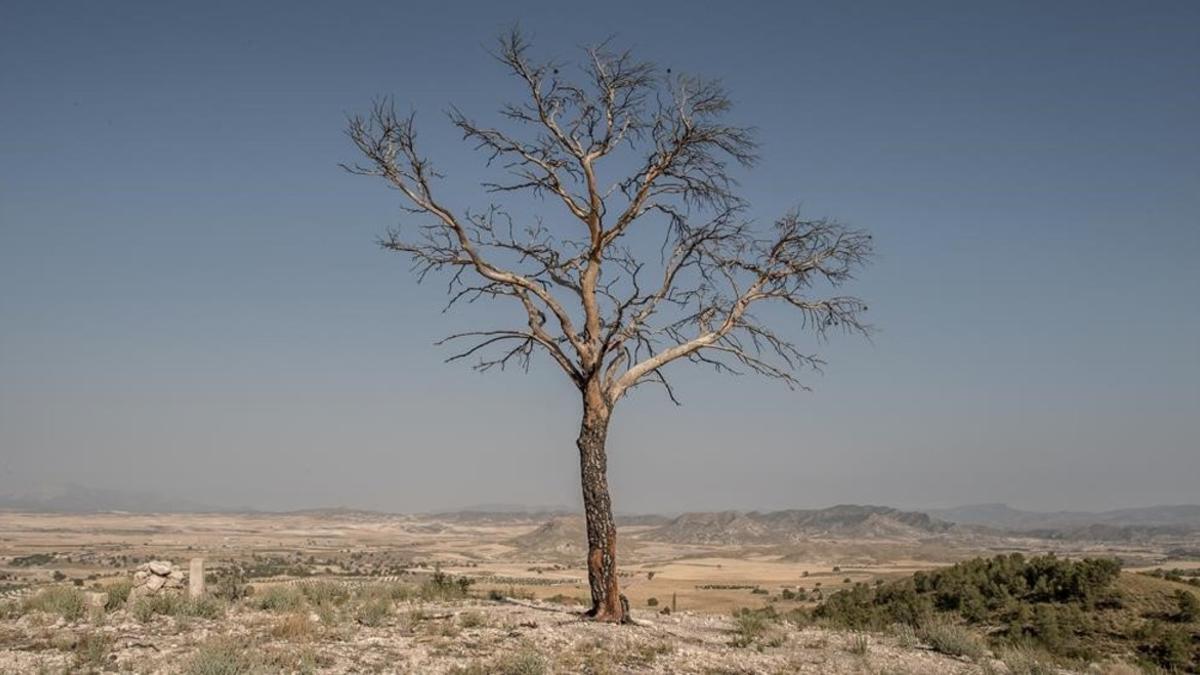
(147, 607)
(91, 650)
(222, 656)
(906, 635)
(756, 628)
(1169, 648)
(324, 593)
(205, 607)
(953, 639)
(652, 602)
(373, 612)
(231, 587)
(118, 593)
(34, 560)
(1188, 607)
(294, 627)
(1026, 661)
(525, 661)
(65, 601)
(280, 599)
(442, 586)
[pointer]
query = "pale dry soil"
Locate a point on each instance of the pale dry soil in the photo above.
(471, 636)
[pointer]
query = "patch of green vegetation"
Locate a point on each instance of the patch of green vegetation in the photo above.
(147, 607)
(222, 656)
(442, 586)
(118, 593)
(1061, 609)
(65, 601)
(279, 599)
(1183, 576)
(325, 593)
(952, 639)
(1025, 660)
(757, 628)
(33, 560)
(91, 650)
(526, 661)
(1188, 607)
(231, 586)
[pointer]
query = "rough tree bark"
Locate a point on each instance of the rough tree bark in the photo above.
(607, 602)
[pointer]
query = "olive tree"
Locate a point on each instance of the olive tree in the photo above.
(644, 257)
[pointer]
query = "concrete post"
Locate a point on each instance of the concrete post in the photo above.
(196, 578)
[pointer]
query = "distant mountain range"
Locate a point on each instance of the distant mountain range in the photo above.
(1184, 517)
(794, 525)
(72, 498)
(722, 527)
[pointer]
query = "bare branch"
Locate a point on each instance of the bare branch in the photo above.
(638, 313)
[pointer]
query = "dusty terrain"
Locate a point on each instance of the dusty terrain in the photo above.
(526, 589)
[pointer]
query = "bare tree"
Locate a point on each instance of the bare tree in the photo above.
(655, 267)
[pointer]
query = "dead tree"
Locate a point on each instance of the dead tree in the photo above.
(637, 272)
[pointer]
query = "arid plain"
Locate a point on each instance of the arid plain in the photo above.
(522, 586)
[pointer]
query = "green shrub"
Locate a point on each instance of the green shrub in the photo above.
(91, 650)
(1048, 600)
(1188, 607)
(231, 586)
(1169, 648)
(442, 586)
(222, 656)
(118, 593)
(147, 607)
(1024, 660)
(952, 639)
(905, 634)
(525, 661)
(34, 560)
(280, 599)
(756, 627)
(324, 593)
(205, 607)
(65, 601)
(652, 602)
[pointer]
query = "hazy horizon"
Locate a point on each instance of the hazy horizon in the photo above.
(183, 505)
(192, 302)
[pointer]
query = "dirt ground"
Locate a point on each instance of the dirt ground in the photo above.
(521, 615)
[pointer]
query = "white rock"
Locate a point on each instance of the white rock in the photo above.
(155, 583)
(160, 567)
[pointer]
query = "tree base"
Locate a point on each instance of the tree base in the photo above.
(611, 614)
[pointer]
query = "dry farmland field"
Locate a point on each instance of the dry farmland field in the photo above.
(349, 591)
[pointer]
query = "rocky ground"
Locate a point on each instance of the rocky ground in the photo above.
(374, 634)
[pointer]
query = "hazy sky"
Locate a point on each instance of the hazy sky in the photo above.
(191, 301)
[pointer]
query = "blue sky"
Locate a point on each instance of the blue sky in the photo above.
(191, 300)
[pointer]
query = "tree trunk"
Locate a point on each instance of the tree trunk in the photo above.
(607, 602)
